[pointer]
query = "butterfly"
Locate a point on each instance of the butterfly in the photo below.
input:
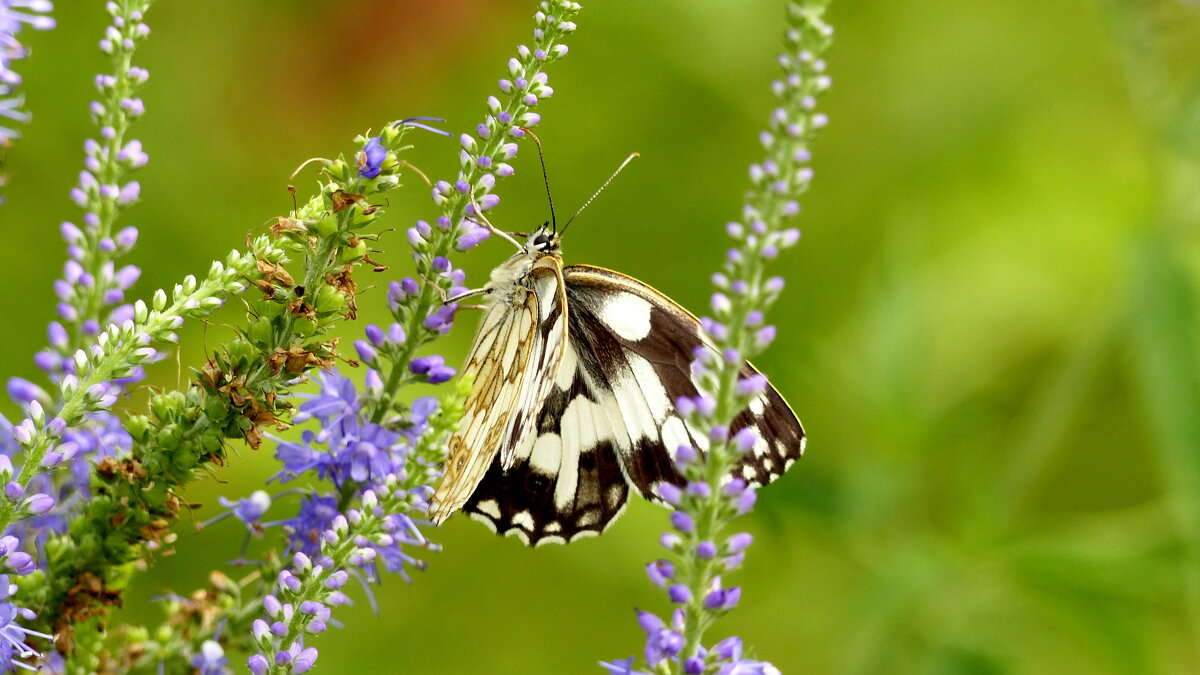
(577, 370)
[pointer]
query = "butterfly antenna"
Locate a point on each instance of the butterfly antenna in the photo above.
(545, 178)
(597, 194)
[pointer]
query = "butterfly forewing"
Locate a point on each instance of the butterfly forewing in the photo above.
(645, 345)
(513, 360)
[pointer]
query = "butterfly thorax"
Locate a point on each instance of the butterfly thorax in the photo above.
(510, 281)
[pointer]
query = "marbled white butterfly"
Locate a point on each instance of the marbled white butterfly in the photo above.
(576, 370)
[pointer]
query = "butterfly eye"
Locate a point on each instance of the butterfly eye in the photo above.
(541, 242)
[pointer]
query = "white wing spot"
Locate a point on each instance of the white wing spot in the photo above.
(579, 434)
(760, 446)
(758, 405)
(566, 369)
(485, 520)
(674, 434)
(627, 315)
(553, 527)
(489, 508)
(546, 455)
(651, 386)
(524, 520)
(747, 472)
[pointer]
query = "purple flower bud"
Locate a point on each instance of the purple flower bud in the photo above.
(723, 599)
(694, 666)
(738, 542)
(24, 391)
(440, 374)
(395, 333)
(127, 237)
(678, 593)
(670, 541)
(39, 503)
(366, 352)
(421, 365)
(699, 489)
(745, 439)
(70, 233)
(649, 622)
(746, 500)
(706, 550)
(21, 563)
(374, 334)
(472, 238)
(734, 487)
(304, 661)
(729, 649)
(129, 193)
(764, 336)
(58, 334)
(685, 406)
(719, 433)
(272, 605)
(13, 491)
(684, 455)
(660, 572)
(258, 664)
(669, 493)
(683, 522)
(23, 433)
(57, 427)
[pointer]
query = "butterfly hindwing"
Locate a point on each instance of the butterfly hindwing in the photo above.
(566, 481)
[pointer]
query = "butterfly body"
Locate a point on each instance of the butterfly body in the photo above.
(576, 370)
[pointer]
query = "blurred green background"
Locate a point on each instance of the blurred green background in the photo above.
(989, 329)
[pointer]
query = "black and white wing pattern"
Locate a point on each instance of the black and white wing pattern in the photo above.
(516, 353)
(610, 420)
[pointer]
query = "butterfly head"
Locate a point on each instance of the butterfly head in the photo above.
(543, 241)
